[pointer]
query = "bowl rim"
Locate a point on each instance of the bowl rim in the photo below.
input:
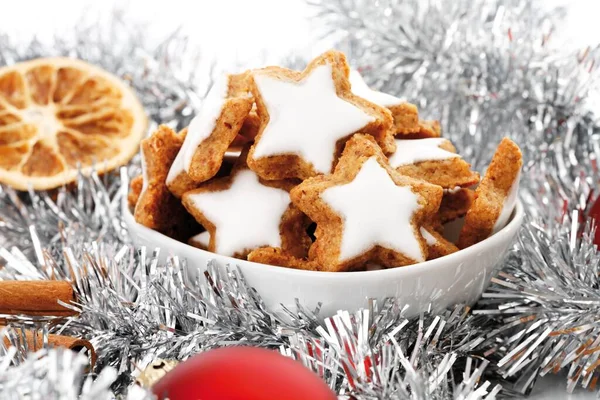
(506, 232)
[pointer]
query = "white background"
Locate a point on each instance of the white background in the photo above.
(244, 30)
(231, 29)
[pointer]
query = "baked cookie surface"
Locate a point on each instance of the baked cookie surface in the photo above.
(243, 212)
(437, 245)
(496, 195)
(135, 189)
(276, 256)
(210, 133)
(156, 207)
(434, 160)
(365, 211)
(305, 118)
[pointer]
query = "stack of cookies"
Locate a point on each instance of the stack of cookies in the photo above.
(330, 175)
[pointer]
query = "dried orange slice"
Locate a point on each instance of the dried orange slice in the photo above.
(61, 114)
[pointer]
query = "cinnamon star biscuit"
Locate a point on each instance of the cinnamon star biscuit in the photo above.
(306, 117)
(365, 211)
(243, 212)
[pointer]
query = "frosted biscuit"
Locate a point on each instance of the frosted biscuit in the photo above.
(306, 117)
(200, 240)
(157, 208)
(135, 188)
(276, 256)
(243, 212)
(366, 212)
(496, 195)
(437, 245)
(210, 133)
(434, 160)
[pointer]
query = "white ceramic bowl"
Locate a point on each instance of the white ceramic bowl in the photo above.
(460, 277)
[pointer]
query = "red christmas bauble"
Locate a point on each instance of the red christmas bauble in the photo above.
(595, 213)
(241, 373)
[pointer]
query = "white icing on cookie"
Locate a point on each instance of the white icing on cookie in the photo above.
(429, 238)
(388, 224)
(306, 118)
(509, 205)
(246, 216)
(201, 127)
(410, 151)
(361, 89)
(203, 239)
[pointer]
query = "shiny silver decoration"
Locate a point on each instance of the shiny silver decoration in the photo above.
(485, 68)
(52, 374)
(489, 69)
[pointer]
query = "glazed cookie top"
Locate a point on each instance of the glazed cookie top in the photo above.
(388, 224)
(433, 160)
(411, 151)
(365, 206)
(246, 215)
(201, 127)
(211, 132)
(305, 115)
(360, 88)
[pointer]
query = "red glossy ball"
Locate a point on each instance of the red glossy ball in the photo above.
(595, 213)
(241, 373)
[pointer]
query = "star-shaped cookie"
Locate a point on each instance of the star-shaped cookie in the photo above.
(210, 133)
(305, 118)
(156, 207)
(243, 212)
(434, 160)
(365, 211)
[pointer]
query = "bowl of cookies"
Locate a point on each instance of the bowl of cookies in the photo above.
(322, 190)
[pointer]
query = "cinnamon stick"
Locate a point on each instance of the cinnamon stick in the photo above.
(67, 342)
(35, 297)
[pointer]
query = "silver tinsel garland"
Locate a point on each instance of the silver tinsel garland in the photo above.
(53, 374)
(486, 69)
